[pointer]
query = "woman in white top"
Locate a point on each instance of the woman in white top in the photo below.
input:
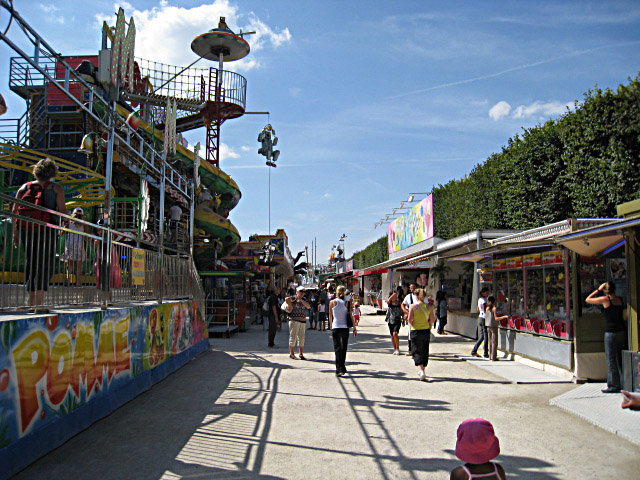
(492, 321)
(339, 330)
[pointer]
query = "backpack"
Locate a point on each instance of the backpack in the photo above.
(35, 193)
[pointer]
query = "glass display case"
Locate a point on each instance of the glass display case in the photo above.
(555, 292)
(515, 297)
(534, 292)
(501, 290)
(592, 273)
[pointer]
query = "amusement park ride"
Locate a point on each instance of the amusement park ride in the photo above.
(130, 114)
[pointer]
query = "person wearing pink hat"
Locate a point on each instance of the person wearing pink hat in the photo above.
(477, 445)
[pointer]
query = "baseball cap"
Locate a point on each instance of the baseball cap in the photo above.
(78, 211)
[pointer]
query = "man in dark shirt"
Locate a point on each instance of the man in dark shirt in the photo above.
(274, 316)
(312, 298)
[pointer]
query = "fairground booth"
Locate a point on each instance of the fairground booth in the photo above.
(242, 282)
(540, 279)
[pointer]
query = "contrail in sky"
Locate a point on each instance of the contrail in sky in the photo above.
(521, 67)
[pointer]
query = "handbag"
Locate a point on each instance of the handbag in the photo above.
(349, 316)
(285, 307)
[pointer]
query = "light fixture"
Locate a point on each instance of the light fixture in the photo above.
(133, 119)
(87, 143)
(3, 105)
(412, 196)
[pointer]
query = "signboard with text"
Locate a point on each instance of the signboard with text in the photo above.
(137, 266)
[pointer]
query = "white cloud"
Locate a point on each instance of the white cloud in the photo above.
(295, 91)
(245, 148)
(499, 110)
(48, 8)
(327, 195)
(227, 152)
(164, 32)
(541, 109)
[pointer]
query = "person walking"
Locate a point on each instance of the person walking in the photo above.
(492, 321)
(421, 319)
(339, 327)
(394, 318)
(408, 300)
(39, 242)
(274, 315)
(482, 328)
(442, 307)
(297, 322)
(615, 332)
(313, 301)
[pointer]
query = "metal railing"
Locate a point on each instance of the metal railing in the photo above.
(63, 261)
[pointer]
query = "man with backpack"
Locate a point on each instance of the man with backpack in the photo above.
(38, 241)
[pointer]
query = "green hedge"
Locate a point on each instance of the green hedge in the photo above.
(582, 165)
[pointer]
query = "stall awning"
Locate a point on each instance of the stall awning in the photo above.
(396, 262)
(481, 254)
(592, 241)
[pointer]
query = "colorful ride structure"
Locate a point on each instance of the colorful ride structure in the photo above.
(128, 115)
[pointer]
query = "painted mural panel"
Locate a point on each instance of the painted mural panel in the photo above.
(51, 366)
(413, 227)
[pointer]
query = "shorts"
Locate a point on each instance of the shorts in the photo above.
(394, 327)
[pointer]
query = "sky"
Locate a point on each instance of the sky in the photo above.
(370, 100)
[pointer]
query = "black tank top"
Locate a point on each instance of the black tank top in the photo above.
(613, 318)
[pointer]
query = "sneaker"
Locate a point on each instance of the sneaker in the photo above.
(422, 376)
(396, 352)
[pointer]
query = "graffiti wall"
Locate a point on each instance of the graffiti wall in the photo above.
(73, 369)
(413, 227)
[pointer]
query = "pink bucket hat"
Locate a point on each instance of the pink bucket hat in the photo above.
(477, 442)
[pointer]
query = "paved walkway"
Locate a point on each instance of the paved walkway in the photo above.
(241, 410)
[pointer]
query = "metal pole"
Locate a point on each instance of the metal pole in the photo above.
(162, 196)
(269, 201)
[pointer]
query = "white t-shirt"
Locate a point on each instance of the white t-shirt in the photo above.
(481, 303)
(410, 299)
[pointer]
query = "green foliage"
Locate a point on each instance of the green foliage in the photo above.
(582, 165)
(375, 253)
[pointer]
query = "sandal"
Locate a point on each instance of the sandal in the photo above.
(293, 357)
(302, 357)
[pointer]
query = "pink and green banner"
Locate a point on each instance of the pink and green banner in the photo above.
(413, 227)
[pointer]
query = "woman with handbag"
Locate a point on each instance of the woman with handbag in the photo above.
(394, 318)
(297, 308)
(421, 319)
(340, 321)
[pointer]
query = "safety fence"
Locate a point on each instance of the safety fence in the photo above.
(61, 261)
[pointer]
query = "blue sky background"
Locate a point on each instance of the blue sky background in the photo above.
(371, 100)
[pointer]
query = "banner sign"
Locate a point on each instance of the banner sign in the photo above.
(137, 266)
(552, 258)
(500, 264)
(52, 367)
(413, 227)
(514, 262)
(532, 260)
